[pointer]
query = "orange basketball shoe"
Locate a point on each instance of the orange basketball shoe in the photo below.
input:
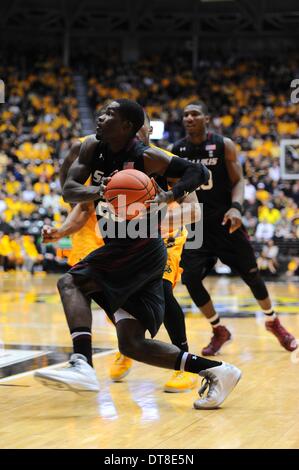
(181, 382)
(120, 367)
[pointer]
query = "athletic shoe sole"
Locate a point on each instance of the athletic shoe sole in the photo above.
(56, 384)
(180, 390)
(120, 377)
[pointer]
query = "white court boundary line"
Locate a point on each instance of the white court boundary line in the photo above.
(31, 372)
(20, 360)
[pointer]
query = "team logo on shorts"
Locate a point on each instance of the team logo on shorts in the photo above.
(168, 269)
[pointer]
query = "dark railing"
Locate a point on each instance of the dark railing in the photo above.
(287, 248)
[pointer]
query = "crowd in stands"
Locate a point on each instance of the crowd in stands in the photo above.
(38, 123)
(249, 101)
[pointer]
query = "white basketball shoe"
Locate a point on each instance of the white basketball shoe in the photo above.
(78, 376)
(220, 381)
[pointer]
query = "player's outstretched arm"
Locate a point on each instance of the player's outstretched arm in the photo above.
(186, 212)
(75, 220)
(74, 189)
(191, 175)
(234, 170)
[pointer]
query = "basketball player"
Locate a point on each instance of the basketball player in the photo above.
(174, 319)
(224, 236)
(81, 223)
(125, 275)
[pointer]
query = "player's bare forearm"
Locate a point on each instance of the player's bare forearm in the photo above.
(173, 220)
(74, 190)
(176, 218)
(187, 212)
(76, 219)
(235, 171)
(195, 209)
(238, 192)
(233, 217)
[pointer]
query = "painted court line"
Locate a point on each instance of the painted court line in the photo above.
(31, 372)
(16, 356)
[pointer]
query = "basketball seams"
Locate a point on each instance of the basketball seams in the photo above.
(136, 176)
(133, 189)
(145, 192)
(141, 181)
(145, 187)
(137, 200)
(131, 203)
(125, 189)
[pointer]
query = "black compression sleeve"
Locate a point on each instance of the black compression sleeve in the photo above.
(174, 319)
(191, 176)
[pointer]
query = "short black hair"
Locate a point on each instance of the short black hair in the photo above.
(100, 111)
(133, 112)
(201, 104)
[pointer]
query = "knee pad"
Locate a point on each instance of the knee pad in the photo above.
(256, 283)
(199, 270)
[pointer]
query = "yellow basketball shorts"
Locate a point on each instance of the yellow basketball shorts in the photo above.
(172, 271)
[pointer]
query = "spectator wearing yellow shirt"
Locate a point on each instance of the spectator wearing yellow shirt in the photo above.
(292, 210)
(31, 255)
(10, 251)
(5, 246)
(12, 185)
(261, 194)
(17, 256)
(14, 206)
(42, 187)
(269, 213)
(293, 267)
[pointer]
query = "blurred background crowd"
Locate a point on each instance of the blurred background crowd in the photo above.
(248, 101)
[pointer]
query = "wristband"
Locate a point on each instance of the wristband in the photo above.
(238, 206)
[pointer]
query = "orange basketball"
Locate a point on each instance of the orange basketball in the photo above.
(127, 192)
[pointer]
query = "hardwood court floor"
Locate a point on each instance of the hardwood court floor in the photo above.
(262, 412)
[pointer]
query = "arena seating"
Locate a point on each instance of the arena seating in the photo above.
(248, 100)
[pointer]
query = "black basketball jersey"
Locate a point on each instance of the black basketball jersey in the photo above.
(104, 162)
(216, 194)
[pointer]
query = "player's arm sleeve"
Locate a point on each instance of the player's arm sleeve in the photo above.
(74, 190)
(191, 175)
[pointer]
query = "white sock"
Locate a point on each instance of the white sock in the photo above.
(270, 314)
(214, 320)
